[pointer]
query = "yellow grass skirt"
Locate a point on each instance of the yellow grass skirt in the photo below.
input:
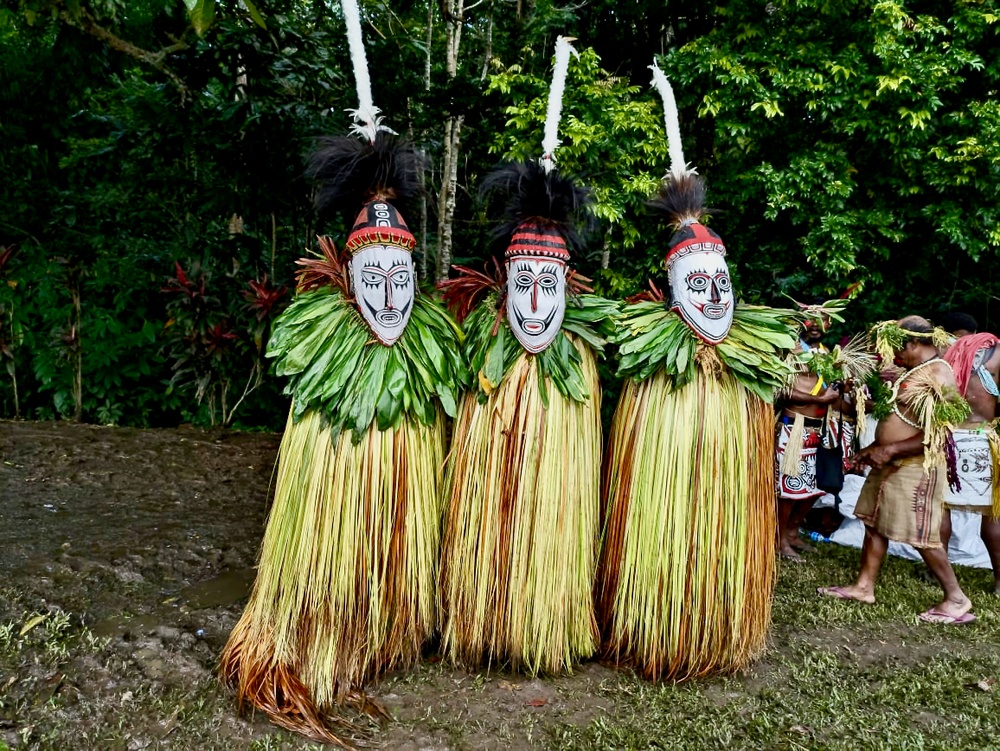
(521, 528)
(346, 585)
(687, 568)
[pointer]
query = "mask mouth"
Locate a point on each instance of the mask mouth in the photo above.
(713, 311)
(389, 317)
(533, 326)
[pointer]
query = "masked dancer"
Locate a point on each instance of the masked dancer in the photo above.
(687, 567)
(346, 584)
(521, 526)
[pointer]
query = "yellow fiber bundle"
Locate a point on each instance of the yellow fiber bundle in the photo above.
(521, 527)
(346, 587)
(687, 568)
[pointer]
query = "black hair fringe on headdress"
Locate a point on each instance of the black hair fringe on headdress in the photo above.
(351, 171)
(528, 192)
(680, 200)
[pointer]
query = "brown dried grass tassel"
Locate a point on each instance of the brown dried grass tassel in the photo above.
(346, 586)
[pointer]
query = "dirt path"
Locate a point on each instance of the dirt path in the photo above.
(148, 539)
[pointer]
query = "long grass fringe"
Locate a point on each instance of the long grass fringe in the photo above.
(346, 585)
(521, 527)
(791, 459)
(994, 440)
(687, 568)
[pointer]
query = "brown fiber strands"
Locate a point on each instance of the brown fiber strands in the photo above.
(346, 587)
(687, 568)
(521, 526)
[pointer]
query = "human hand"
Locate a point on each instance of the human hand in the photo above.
(829, 396)
(873, 456)
(889, 375)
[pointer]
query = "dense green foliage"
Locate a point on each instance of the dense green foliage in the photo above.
(152, 154)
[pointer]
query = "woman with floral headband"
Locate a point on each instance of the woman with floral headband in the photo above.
(903, 496)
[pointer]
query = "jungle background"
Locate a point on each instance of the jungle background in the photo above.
(153, 202)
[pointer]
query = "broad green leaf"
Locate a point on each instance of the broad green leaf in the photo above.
(201, 13)
(254, 13)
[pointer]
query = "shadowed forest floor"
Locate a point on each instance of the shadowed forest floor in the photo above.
(126, 556)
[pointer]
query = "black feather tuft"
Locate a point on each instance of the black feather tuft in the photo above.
(520, 191)
(351, 171)
(681, 199)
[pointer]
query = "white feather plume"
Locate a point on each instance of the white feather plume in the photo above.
(366, 116)
(552, 114)
(678, 166)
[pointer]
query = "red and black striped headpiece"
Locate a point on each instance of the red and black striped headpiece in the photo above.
(379, 223)
(693, 237)
(537, 240)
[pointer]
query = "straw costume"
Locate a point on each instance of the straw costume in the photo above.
(687, 567)
(346, 585)
(523, 475)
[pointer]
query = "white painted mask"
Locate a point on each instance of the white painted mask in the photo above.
(702, 293)
(384, 285)
(536, 300)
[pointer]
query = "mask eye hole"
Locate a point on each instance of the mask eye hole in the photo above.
(547, 281)
(372, 278)
(723, 282)
(697, 281)
(401, 277)
(523, 279)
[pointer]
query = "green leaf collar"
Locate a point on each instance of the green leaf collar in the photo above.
(652, 337)
(492, 355)
(336, 365)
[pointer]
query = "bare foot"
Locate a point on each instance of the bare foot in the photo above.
(851, 592)
(801, 545)
(950, 612)
(788, 553)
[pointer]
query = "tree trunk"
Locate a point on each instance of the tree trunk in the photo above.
(430, 44)
(452, 139)
(75, 293)
(489, 47)
(423, 217)
(446, 199)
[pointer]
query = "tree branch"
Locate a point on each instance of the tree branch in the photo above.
(86, 23)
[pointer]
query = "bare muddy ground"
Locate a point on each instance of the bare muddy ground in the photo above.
(126, 556)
